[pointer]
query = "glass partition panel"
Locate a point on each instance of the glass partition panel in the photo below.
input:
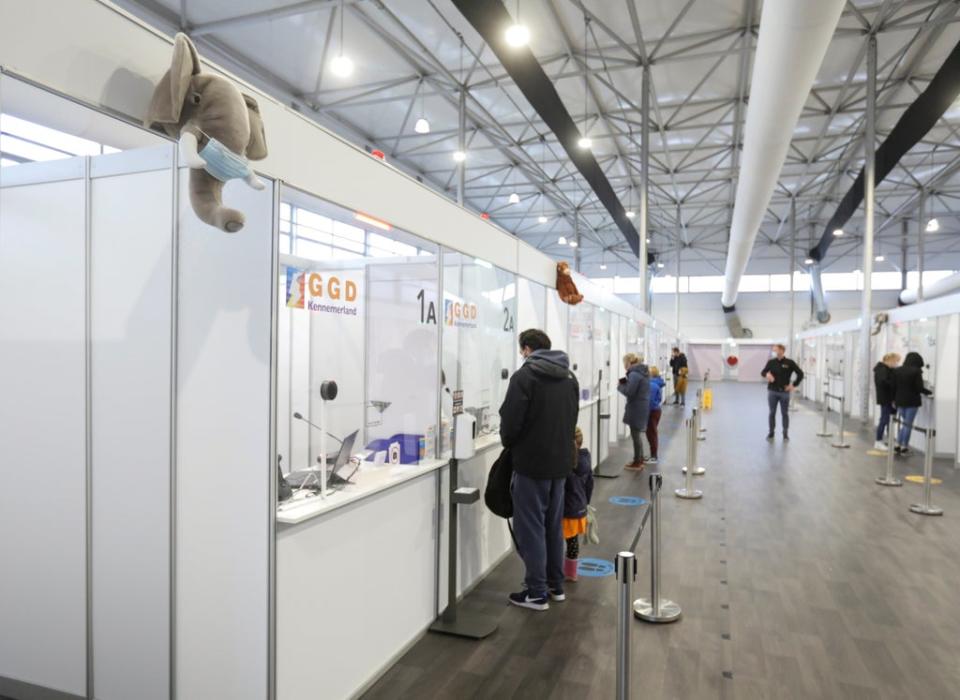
(479, 340)
(358, 306)
(581, 348)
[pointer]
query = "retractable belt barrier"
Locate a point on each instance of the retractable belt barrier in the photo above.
(888, 479)
(843, 416)
(691, 469)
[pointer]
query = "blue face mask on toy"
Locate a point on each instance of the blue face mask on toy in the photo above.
(222, 163)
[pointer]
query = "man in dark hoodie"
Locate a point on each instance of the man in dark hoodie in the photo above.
(537, 423)
(908, 397)
(677, 362)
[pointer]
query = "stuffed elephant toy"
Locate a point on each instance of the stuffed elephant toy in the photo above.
(218, 128)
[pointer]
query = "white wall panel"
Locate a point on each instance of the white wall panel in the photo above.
(353, 588)
(131, 225)
(42, 435)
(223, 460)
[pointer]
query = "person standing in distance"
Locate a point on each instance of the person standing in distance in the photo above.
(677, 361)
(635, 387)
(538, 420)
(778, 372)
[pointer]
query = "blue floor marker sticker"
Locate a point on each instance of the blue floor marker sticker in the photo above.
(595, 568)
(627, 500)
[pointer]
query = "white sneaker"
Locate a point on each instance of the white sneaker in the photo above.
(879, 445)
(651, 460)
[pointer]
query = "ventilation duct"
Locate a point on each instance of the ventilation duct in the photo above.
(937, 289)
(912, 126)
(793, 41)
(819, 299)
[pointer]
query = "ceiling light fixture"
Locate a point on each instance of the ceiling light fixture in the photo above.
(631, 213)
(562, 240)
(603, 266)
(341, 65)
(541, 219)
(459, 156)
(660, 265)
(573, 244)
(422, 126)
(838, 232)
(585, 142)
(878, 258)
(808, 261)
(933, 225)
(514, 198)
(517, 34)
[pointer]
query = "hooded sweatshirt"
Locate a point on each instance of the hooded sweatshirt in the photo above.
(636, 389)
(883, 380)
(656, 392)
(539, 416)
(909, 382)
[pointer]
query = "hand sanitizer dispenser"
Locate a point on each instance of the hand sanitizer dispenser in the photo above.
(464, 433)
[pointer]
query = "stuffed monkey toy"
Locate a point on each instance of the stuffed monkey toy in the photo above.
(218, 128)
(566, 287)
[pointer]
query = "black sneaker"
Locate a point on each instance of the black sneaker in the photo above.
(786, 438)
(525, 599)
(770, 437)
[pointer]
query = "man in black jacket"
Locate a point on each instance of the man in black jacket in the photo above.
(537, 423)
(677, 361)
(779, 372)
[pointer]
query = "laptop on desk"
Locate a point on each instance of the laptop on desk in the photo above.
(310, 478)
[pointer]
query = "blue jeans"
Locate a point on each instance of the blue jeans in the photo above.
(886, 410)
(907, 416)
(782, 398)
(538, 527)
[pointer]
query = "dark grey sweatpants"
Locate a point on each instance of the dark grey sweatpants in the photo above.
(538, 527)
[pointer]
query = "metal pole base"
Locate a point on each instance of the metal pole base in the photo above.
(701, 438)
(465, 624)
(925, 510)
(841, 445)
(683, 493)
(697, 471)
(669, 611)
(608, 470)
(824, 434)
(884, 481)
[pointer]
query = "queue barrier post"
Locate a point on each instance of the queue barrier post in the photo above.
(826, 397)
(840, 443)
(690, 468)
(700, 416)
(655, 608)
(626, 569)
(889, 479)
(926, 508)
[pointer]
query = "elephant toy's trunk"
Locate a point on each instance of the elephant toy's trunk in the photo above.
(206, 196)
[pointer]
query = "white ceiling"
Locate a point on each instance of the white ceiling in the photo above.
(408, 60)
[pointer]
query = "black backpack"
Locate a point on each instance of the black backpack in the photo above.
(497, 494)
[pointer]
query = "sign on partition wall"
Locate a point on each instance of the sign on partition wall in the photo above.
(328, 292)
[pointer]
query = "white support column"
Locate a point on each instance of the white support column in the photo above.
(676, 291)
(793, 266)
(869, 186)
(644, 186)
(921, 228)
(462, 146)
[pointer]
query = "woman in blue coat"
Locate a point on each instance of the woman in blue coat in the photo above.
(635, 387)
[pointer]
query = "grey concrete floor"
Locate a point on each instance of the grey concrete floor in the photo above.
(797, 575)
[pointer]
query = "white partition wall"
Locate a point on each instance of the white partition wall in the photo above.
(43, 440)
(131, 286)
(226, 286)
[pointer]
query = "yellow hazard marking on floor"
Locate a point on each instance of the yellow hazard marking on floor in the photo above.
(876, 453)
(918, 479)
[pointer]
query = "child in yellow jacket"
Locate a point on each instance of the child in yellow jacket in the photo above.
(681, 387)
